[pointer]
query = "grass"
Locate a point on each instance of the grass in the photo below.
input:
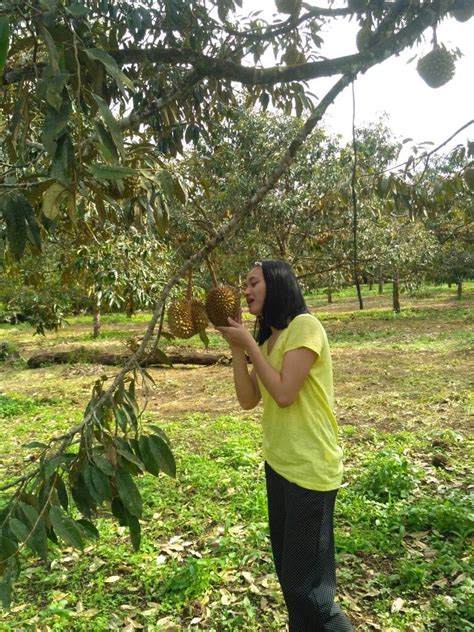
(403, 517)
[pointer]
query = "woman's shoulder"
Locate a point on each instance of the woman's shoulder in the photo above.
(306, 319)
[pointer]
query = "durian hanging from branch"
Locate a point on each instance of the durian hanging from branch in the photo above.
(468, 175)
(365, 36)
(187, 316)
(222, 301)
(437, 67)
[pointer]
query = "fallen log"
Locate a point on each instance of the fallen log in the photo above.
(88, 356)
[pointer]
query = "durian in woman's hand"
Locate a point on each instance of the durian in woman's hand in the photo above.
(222, 301)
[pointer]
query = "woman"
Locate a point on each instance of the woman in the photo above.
(292, 374)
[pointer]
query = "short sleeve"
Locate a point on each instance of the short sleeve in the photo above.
(305, 331)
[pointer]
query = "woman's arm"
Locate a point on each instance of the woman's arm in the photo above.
(246, 386)
(283, 386)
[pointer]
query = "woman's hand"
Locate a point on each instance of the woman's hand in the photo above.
(237, 335)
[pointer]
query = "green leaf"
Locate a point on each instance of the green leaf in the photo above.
(128, 492)
(161, 433)
(8, 549)
(118, 511)
(19, 529)
(52, 199)
(34, 444)
(111, 67)
(110, 172)
(33, 230)
(103, 464)
(84, 501)
(161, 215)
(135, 530)
(12, 209)
(54, 89)
(106, 144)
(101, 484)
(122, 417)
(204, 338)
(6, 591)
(54, 125)
(65, 528)
(4, 40)
(180, 190)
(112, 124)
(49, 5)
(162, 455)
(52, 50)
(38, 541)
(166, 182)
(50, 466)
(77, 10)
(88, 529)
(147, 456)
(62, 493)
(63, 161)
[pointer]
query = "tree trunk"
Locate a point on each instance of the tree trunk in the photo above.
(396, 293)
(359, 292)
(380, 280)
(459, 289)
(371, 282)
(130, 309)
(96, 316)
(329, 293)
(87, 356)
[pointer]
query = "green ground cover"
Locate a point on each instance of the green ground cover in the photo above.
(403, 521)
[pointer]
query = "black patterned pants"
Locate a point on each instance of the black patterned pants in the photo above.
(302, 537)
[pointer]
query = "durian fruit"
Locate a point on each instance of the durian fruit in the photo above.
(437, 67)
(222, 302)
(364, 37)
(293, 56)
(290, 7)
(469, 177)
(199, 315)
(180, 319)
(358, 6)
(187, 316)
(463, 10)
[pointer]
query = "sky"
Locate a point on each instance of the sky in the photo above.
(394, 87)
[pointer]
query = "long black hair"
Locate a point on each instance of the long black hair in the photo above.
(283, 299)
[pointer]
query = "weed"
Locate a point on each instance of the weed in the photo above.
(388, 476)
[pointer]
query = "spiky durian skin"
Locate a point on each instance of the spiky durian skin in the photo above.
(180, 321)
(186, 318)
(437, 67)
(221, 303)
(469, 177)
(198, 315)
(290, 7)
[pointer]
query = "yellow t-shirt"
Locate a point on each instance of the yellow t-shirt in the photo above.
(300, 440)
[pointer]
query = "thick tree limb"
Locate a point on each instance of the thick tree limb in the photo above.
(207, 66)
(119, 359)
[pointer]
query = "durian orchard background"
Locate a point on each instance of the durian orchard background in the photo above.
(136, 142)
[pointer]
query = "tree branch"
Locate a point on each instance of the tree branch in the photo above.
(206, 66)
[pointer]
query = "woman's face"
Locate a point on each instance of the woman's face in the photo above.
(255, 290)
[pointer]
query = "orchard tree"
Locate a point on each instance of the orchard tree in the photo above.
(99, 99)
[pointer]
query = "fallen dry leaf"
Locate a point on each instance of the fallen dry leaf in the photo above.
(397, 605)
